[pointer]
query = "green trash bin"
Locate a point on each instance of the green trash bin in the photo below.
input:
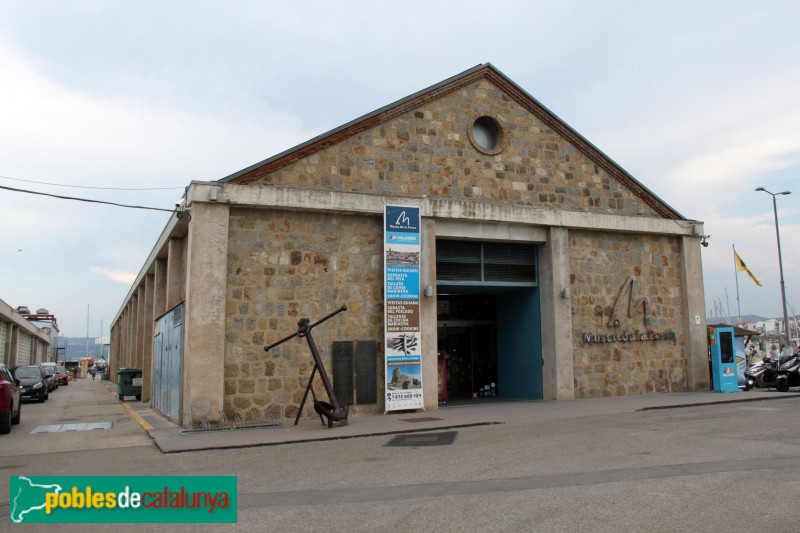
(129, 383)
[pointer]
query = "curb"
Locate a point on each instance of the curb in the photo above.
(732, 400)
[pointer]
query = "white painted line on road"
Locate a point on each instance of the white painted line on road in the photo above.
(62, 428)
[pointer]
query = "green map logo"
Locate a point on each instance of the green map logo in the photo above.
(122, 499)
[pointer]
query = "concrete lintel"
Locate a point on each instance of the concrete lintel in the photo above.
(441, 209)
(486, 231)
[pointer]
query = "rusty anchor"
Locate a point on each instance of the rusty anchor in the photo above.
(332, 410)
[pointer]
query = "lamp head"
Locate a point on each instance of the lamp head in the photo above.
(761, 189)
(785, 192)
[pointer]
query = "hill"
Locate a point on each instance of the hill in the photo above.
(74, 348)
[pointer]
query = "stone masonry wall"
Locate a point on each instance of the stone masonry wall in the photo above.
(616, 361)
(428, 152)
(282, 266)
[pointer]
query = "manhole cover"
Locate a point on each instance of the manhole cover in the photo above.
(62, 428)
(421, 419)
(424, 439)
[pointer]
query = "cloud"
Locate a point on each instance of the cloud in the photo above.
(63, 132)
(718, 177)
(115, 275)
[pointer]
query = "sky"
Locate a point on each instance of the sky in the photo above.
(129, 101)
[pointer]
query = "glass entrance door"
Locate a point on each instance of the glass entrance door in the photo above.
(470, 360)
(467, 346)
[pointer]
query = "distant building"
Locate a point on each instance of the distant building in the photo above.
(47, 322)
(770, 326)
(21, 341)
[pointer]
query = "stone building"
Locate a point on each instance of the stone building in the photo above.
(22, 342)
(548, 271)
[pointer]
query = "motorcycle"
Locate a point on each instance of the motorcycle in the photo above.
(767, 374)
(788, 373)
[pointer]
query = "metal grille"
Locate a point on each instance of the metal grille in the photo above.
(487, 262)
(424, 439)
(3, 329)
(24, 353)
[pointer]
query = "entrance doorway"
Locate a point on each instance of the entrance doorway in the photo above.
(488, 320)
(489, 345)
(468, 348)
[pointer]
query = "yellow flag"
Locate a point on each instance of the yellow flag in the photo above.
(741, 266)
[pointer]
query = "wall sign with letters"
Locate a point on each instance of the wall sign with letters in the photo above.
(635, 304)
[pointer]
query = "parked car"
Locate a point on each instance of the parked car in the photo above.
(33, 382)
(52, 378)
(10, 401)
(63, 377)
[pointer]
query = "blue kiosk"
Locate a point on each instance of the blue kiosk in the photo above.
(723, 359)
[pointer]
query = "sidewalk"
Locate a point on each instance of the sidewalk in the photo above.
(171, 438)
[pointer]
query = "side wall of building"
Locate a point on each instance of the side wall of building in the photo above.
(282, 266)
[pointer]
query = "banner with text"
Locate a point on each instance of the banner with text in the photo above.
(403, 349)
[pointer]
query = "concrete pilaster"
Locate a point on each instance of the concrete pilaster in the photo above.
(129, 314)
(140, 319)
(430, 389)
(204, 321)
(147, 336)
(554, 276)
(175, 272)
(694, 315)
(159, 287)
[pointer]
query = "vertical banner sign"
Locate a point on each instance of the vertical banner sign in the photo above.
(403, 349)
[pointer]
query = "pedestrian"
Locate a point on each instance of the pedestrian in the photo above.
(773, 353)
(93, 372)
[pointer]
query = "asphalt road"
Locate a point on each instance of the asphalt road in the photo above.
(733, 467)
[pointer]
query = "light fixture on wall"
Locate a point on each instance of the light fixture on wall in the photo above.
(181, 211)
(704, 242)
(428, 291)
(565, 293)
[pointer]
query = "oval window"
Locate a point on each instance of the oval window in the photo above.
(487, 135)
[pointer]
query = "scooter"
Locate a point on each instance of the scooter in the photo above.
(788, 373)
(763, 374)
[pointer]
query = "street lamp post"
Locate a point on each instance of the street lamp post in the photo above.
(780, 263)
